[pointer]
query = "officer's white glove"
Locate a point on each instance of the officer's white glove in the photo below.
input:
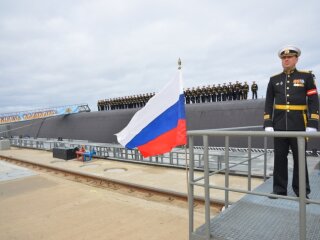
(310, 129)
(269, 129)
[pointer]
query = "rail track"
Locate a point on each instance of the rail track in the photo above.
(136, 190)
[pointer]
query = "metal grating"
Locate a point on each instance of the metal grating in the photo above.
(256, 217)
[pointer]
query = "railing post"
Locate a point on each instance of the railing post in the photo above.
(115, 153)
(226, 192)
(265, 144)
(206, 185)
(249, 163)
(177, 159)
(302, 188)
(190, 185)
(126, 153)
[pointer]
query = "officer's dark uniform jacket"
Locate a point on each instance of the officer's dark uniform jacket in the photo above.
(292, 102)
(254, 87)
(245, 88)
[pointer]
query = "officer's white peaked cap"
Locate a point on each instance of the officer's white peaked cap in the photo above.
(289, 51)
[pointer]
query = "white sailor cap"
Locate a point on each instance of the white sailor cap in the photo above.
(289, 51)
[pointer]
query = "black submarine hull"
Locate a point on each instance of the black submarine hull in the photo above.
(101, 126)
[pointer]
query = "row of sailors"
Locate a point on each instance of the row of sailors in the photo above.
(134, 101)
(237, 91)
(212, 93)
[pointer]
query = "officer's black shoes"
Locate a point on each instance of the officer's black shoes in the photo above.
(282, 194)
(307, 197)
(272, 197)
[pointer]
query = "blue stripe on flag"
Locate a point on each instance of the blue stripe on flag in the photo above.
(163, 123)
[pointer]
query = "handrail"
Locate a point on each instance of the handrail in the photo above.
(210, 132)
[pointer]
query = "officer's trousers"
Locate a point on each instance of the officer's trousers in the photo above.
(280, 171)
(254, 95)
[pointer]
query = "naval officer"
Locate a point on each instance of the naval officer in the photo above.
(292, 104)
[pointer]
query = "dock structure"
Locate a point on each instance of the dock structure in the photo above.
(253, 216)
(37, 203)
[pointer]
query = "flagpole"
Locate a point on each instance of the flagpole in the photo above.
(185, 145)
(187, 174)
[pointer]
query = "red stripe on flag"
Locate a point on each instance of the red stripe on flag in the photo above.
(165, 142)
(311, 92)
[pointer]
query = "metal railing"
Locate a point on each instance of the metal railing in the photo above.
(205, 183)
(176, 158)
(103, 150)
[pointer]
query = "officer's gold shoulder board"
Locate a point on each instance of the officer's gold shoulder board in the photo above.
(305, 71)
(276, 74)
(313, 76)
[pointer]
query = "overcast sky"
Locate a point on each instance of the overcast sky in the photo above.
(55, 52)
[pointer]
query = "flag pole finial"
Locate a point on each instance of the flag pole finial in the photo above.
(179, 63)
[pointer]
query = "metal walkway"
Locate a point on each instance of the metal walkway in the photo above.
(258, 217)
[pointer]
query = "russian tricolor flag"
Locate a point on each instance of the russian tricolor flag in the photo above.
(160, 125)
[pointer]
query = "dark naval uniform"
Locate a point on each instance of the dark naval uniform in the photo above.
(292, 104)
(188, 95)
(254, 90)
